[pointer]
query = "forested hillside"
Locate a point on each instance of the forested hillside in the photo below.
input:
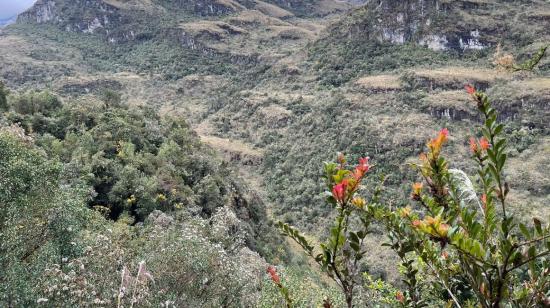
(149, 149)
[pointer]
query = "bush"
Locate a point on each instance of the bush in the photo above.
(458, 247)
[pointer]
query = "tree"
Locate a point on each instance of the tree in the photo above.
(38, 219)
(3, 97)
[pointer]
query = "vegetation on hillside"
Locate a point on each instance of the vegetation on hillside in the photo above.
(147, 146)
(459, 247)
(94, 190)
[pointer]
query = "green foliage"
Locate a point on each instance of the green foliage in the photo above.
(3, 97)
(464, 251)
(133, 160)
(306, 289)
(340, 62)
(340, 255)
(530, 64)
(32, 103)
(477, 256)
(114, 167)
(38, 218)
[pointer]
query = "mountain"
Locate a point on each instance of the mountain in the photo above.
(276, 88)
(254, 75)
(7, 21)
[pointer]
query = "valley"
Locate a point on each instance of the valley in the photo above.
(275, 88)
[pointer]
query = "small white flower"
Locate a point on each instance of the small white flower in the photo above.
(41, 300)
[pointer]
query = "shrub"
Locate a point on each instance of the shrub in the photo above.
(459, 247)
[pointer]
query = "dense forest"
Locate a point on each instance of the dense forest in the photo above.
(273, 153)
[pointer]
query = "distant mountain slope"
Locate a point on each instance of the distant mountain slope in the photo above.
(447, 25)
(431, 31)
(7, 21)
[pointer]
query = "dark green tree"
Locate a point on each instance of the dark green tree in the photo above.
(3, 97)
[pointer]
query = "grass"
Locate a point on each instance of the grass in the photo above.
(380, 82)
(214, 29)
(455, 74)
(272, 10)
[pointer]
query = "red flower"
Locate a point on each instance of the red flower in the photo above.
(484, 200)
(470, 89)
(362, 168)
(484, 143)
(273, 273)
(364, 161)
(339, 191)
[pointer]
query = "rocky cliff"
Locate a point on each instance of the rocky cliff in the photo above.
(440, 24)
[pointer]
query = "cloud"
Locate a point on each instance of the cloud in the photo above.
(8, 8)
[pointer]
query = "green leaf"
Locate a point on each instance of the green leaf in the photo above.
(502, 161)
(538, 226)
(500, 144)
(498, 129)
(355, 246)
(532, 251)
(353, 238)
(525, 231)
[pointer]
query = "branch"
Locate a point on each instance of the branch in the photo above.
(534, 240)
(445, 285)
(542, 254)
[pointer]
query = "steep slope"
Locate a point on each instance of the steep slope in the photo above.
(92, 187)
(280, 87)
(470, 29)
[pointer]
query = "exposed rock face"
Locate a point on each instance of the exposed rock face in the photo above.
(424, 22)
(43, 11)
(215, 7)
(88, 16)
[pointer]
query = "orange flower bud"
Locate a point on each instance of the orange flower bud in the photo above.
(430, 220)
(436, 144)
(273, 274)
(400, 297)
(473, 145)
(359, 202)
(417, 188)
(443, 229)
(405, 211)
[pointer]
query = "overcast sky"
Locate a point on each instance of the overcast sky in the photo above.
(9, 8)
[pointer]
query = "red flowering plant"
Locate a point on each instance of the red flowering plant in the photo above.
(276, 279)
(471, 248)
(340, 255)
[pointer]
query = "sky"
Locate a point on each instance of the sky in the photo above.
(9, 8)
